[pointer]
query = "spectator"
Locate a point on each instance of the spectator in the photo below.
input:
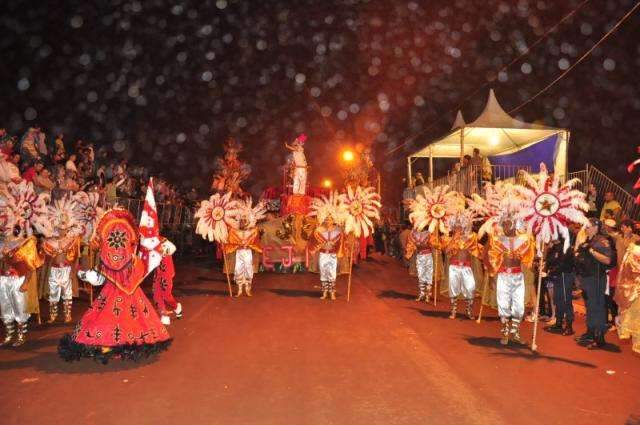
(611, 208)
(561, 274)
(43, 182)
(31, 171)
(71, 163)
(592, 200)
(594, 255)
(622, 240)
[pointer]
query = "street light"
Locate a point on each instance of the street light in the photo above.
(326, 183)
(348, 156)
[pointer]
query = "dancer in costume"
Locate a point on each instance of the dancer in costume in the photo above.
(508, 252)
(243, 241)
(298, 165)
(328, 240)
(121, 321)
(430, 214)
(63, 249)
(628, 297)
(419, 250)
(163, 289)
(460, 248)
(18, 258)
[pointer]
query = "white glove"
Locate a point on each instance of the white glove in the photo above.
(92, 277)
(167, 248)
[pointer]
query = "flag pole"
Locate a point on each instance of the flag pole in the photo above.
(534, 346)
(350, 268)
(484, 294)
(226, 270)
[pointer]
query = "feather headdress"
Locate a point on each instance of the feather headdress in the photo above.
(362, 206)
(215, 216)
(434, 210)
(28, 209)
(331, 206)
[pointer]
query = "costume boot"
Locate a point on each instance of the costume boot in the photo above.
(10, 329)
(22, 334)
(247, 289)
(239, 290)
(504, 330)
(178, 311)
(66, 308)
(421, 292)
(333, 295)
(427, 294)
(53, 312)
(470, 309)
(515, 331)
(324, 294)
(454, 308)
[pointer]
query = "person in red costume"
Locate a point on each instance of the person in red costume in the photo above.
(121, 322)
(163, 290)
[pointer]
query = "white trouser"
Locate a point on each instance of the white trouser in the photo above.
(13, 302)
(510, 293)
(328, 266)
(60, 284)
(424, 268)
(243, 272)
(461, 282)
(299, 181)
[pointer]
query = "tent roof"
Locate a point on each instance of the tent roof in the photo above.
(494, 132)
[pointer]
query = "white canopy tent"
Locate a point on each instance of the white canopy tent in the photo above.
(495, 133)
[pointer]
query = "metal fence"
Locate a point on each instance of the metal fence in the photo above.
(469, 179)
(604, 184)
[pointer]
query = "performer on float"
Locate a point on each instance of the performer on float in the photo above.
(508, 252)
(163, 289)
(121, 321)
(299, 165)
(328, 240)
(63, 248)
(429, 215)
(460, 248)
(18, 258)
(244, 240)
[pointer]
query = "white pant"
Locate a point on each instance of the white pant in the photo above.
(60, 284)
(510, 293)
(13, 302)
(461, 282)
(328, 266)
(243, 272)
(299, 181)
(424, 268)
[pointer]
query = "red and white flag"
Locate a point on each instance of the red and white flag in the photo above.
(149, 229)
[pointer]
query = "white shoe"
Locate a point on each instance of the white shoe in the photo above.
(178, 311)
(165, 320)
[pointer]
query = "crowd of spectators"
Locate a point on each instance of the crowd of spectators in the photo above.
(58, 168)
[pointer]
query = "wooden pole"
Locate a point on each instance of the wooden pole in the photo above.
(435, 274)
(485, 284)
(350, 268)
(226, 271)
(534, 346)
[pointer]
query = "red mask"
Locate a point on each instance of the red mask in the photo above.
(117, 239)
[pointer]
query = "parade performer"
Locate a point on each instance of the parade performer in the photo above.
(328, 239)
(298, 165)
(628, 297)
(18, 258)
(230, 171)
(429, 215)
(508, 252)
(243, 241)
(163, 290)
(121, 321)
(461, 247)
(63, 250)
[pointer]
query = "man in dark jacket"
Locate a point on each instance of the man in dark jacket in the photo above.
(594, 255)
(560, 271)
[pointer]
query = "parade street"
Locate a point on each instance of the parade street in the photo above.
(286, 357)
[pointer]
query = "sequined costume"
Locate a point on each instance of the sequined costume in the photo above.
(328, 241)
(243, 243)
(19, 257)
(420, 246)
(510, 281)
(460, 249)
(121, 321)
(628, 297)
(63, 253)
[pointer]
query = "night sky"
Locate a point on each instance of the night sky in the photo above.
(165, 83)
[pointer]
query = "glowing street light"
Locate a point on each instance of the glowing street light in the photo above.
(326, 183)
(348, 156)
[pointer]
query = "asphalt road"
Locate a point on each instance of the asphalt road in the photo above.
(286, 357)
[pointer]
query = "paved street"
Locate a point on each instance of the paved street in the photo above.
(285, 357)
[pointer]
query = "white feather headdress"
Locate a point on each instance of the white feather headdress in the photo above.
(88, 211)
(252, 214)
(215, 216)
(62, 216)
(362, 206)
(434, 209)
(500, 202)
(28, 209)
(331, 206)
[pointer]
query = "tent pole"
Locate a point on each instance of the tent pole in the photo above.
(431, 168)
(409, 180)
(461, 145)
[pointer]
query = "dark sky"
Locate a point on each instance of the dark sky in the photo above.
(166, 82)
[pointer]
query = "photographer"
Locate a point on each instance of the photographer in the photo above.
(594, 255)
